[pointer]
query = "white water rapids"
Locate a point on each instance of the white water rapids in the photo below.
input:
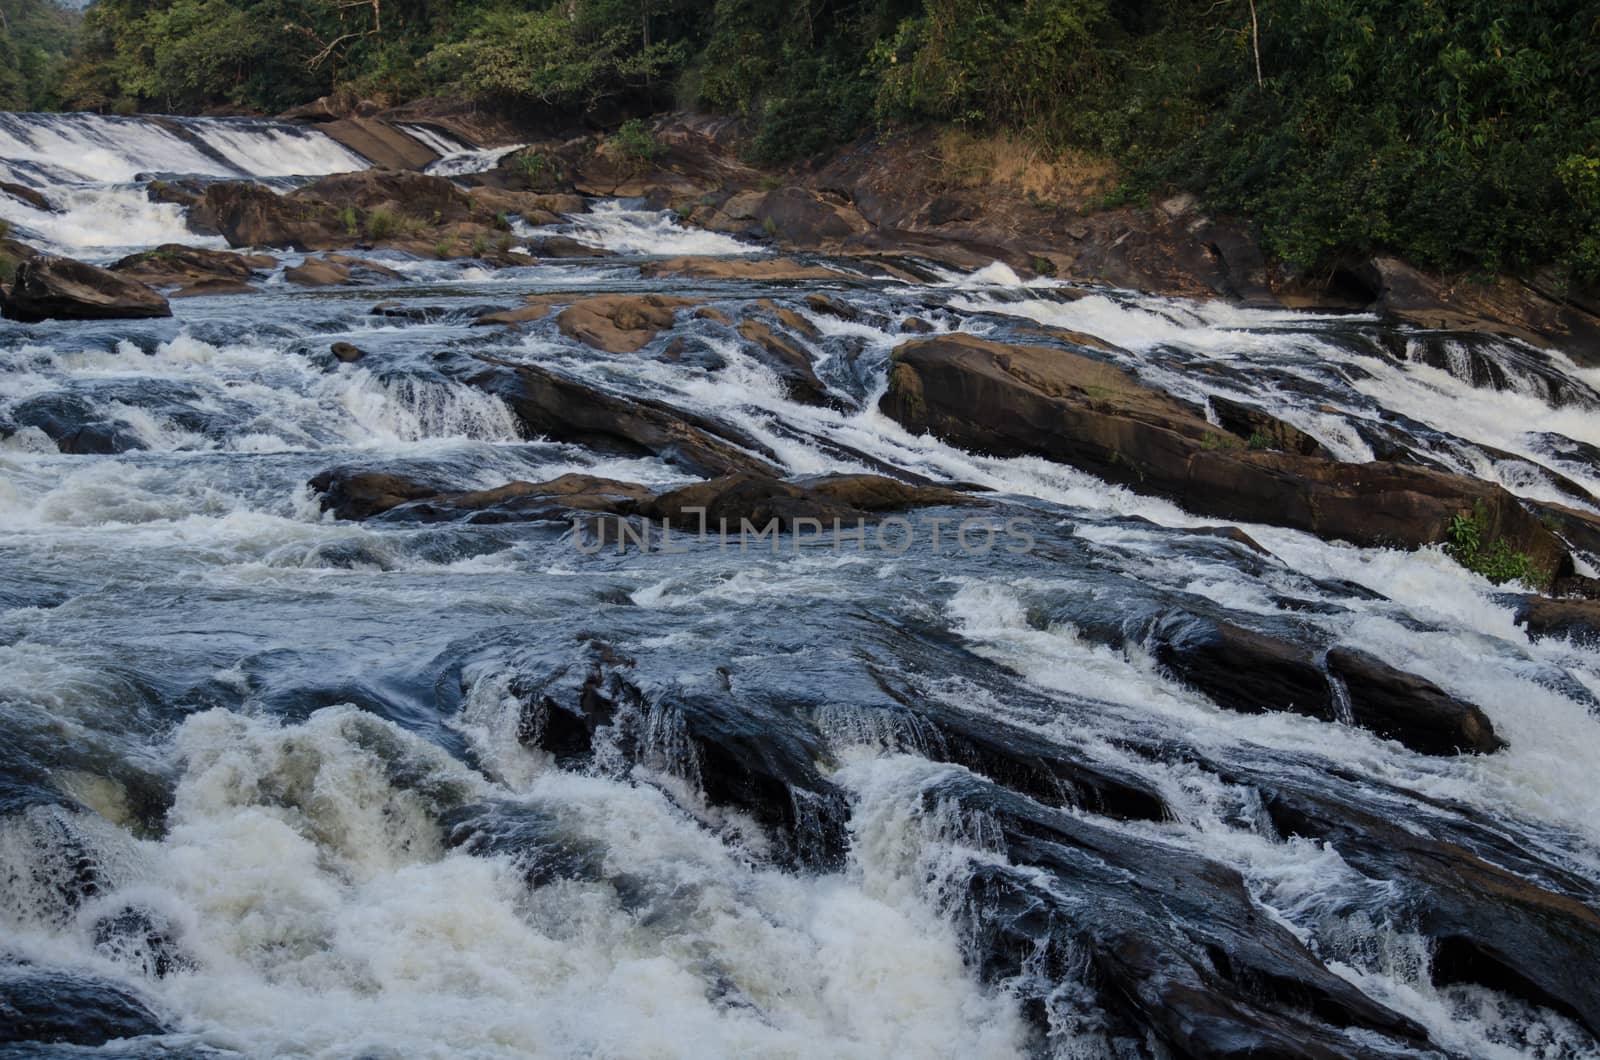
(292, 748)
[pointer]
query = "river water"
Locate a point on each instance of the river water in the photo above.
(264, 773)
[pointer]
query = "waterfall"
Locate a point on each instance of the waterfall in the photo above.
(95, 170)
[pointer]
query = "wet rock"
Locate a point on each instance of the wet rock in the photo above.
(620, 323)
(250, 215)
(183, 193)
(1240, 669)
(833, 307)
(364, 268)
(1262, 430)
(768, 270)
(315, 272)
(26, 195)
(354, 494)
(431, 199)
(1580, 529)
(1414, 711)
(346, 352)
(55, 1006)
(143, 939)
(1499, 305)
(205, 288)
(788, 361)
(527, 314)
(378, 141)
(532, 839)
(564, 247)
(744, 752)
(563, 409)
(1172, 942)
(51, 288)
(1230, 533)
(1575, 620)
(555, 500)
(1498, 917)
(174, 263)
(759, 499)
(1021, 400)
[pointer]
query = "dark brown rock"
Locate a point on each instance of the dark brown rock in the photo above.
(769, 270)
(762, 498)
(249, 215)
(1264, 430)
(51, 288)
(555, 500)
(347, 353)
(791, 363)
(355, 494)
(434, 200)
(1410, 709)
(27, 195)
(563, 409)
(377, 141)
(316, 272)
(620, 323)
(526, 314)
(1577, 620)
(173, 262)
(1024, 400)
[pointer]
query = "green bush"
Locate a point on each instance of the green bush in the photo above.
(1497, 561)
(635, 141)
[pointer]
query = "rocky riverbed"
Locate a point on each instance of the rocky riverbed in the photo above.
(661, 613)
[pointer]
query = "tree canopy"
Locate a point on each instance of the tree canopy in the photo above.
(1461, 133)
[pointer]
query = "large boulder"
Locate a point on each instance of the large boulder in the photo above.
(1036, 401)
(433, 199)
(1408, 708)
(620, 323)
(60, 1006)
(249, 215)
(176, 264)
(563, 409)
(51, 288)
(759, 498)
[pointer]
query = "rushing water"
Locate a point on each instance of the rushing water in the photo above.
(262, 771)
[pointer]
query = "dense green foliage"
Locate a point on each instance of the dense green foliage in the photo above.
(1469, 546)
(36, 37)
(1459, 134)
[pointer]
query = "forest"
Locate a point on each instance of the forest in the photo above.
(1461, 134)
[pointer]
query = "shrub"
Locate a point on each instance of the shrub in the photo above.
(1497, 561)
(636, 142)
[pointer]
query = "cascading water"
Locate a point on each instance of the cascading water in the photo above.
(279, 784)
(94, 171)
(456, 157)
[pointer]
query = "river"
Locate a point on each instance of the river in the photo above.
(267, 786)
